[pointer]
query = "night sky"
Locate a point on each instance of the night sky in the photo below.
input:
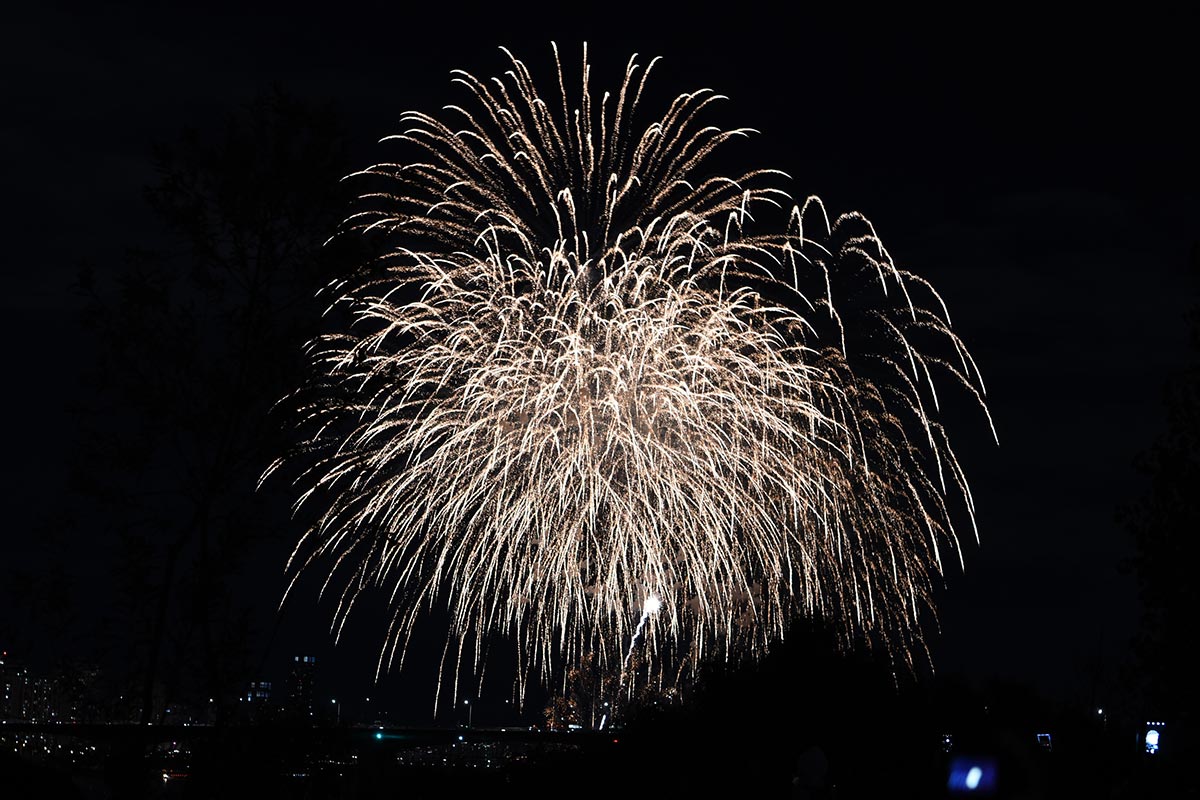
(1041, 174)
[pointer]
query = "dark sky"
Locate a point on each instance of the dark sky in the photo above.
(1041, 173)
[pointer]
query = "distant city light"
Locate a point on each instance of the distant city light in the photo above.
(1153, 736)
(975, 776)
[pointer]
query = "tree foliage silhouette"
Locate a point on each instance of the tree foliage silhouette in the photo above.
(1164, 524)
(198, 334)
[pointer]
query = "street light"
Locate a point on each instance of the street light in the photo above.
(470, 711)
(339, 711)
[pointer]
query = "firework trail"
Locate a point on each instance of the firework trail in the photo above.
(584, 369)
(652, 605)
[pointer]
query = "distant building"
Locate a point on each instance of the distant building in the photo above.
(24, 696)
(259, 692)
(66, 696)
(77, 693)
(12, 688)
(256, 705)
(300, 686)
(37, 701)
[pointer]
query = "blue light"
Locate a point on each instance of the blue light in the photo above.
(378, 734)
(975, 776)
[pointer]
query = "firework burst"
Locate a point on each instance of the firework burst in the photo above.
(581, 376)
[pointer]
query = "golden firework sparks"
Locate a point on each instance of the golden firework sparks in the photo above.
(580, 377)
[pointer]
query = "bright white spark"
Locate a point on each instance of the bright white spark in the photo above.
(651, 606)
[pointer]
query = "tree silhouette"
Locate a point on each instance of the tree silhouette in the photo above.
(1165, 524)
(199, 334)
